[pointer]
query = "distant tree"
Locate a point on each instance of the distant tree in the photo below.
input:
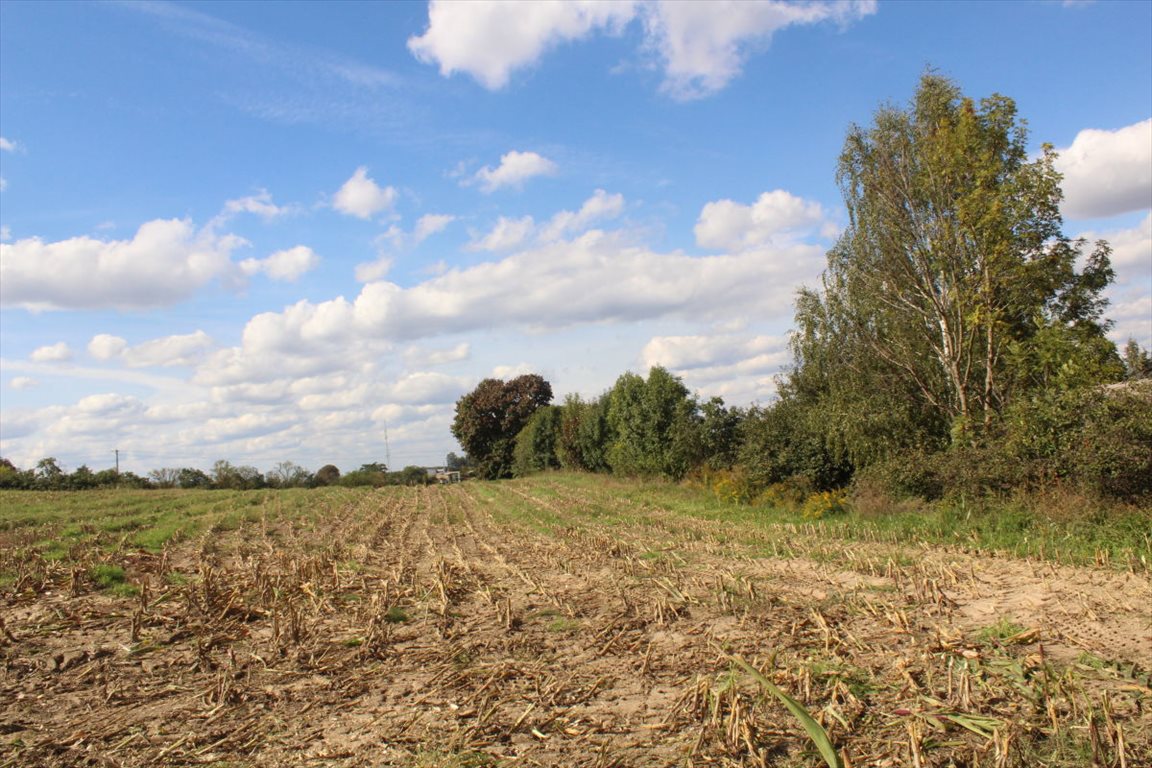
(189, 477)
(81, 478)
(720, 433)
(107, 478)
(584, 434)
(410, 475)
(455, 463)
(328, 474)
(48, 473)
(12, 476)
(375, 466)
(288, 474)
(1137, 362)
(489, 417)
(535, 449)
(226, 475)
(165, 477)
(655, 424)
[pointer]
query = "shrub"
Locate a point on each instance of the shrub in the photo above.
(788, 494)
(825, 504)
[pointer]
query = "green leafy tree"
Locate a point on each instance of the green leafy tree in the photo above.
(190, 477)
(535, 449)
(489, 417)
(1137, 361)
(952, 274)
(655, 425)
(584, 434)
(328, 474)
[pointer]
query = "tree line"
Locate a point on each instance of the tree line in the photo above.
(955, 345)
(224, 475)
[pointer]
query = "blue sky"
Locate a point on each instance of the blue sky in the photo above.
(271, 231)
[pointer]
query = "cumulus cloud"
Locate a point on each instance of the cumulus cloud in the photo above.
(23, 382)
(776, 216)
(259, 204)
(7, 145)
(701, 45)
(490, 40)
(428, 225)
(510, 233)
(1107, 173)
(596, 278)
(165, 262)
(505, 235)
(424, 357)
(515, 168)
(53, 353)
(178, 350)
(104, 346)
(368, 271)
(601, 206)
(362, 197)
(284, 266)
(707, 351)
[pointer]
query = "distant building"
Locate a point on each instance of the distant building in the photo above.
(443, 475)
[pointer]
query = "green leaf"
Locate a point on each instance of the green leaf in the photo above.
(814, 730)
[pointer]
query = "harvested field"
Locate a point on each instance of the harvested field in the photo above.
(556, 621)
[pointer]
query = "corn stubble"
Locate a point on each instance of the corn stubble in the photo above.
(543, 622)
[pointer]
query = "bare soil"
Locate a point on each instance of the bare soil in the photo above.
(431, 627)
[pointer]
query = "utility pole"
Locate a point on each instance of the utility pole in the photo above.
(387, 450)
(117, 452)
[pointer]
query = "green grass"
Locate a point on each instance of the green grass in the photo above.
(106, 575)
(1120, 539)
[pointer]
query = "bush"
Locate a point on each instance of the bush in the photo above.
(788, 494)
(1111, 455)
(825, 504)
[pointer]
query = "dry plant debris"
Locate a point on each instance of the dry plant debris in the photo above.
(549, 622)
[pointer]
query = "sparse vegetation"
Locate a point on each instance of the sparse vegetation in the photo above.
(566, 619)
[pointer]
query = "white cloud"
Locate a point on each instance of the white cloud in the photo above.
(165, 262)
(429, 224)
(1131, 294)
(510, 233)
(3, 183)
(777, 216)
(368, 271)
(54, 353)
(284, 266)
(701, 44)
(23, 382)
(704, 44)
(5, 234)
(104, 346)
(688, 352)
(1107, 173)
(423, 357)
(489, 40)
(7, 145)
(179, 350)
(515, 168)
(362, 197)
(601, 206)
(505, 235)
(182, 349)
(259, 204)
(596, 278)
